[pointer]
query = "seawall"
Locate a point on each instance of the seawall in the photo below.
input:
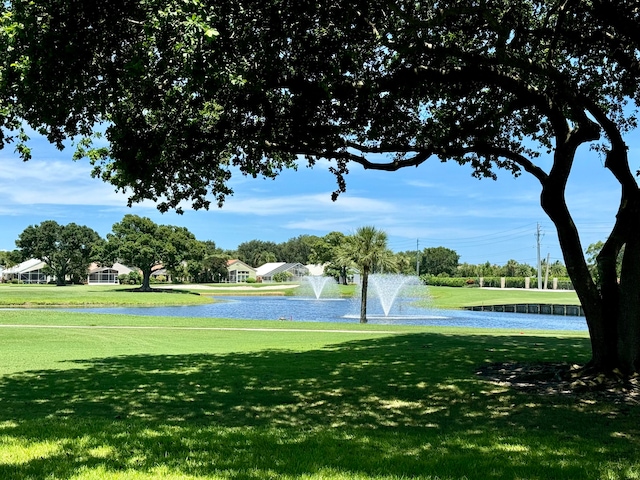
(533, 308)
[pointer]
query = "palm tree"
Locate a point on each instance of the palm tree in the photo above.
(264, 256)
(366, 250)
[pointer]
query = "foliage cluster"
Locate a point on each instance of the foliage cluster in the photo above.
(131, 278)
(295, 250)
(67, 250)
(563, 283)
(444, 281)
(282, 277)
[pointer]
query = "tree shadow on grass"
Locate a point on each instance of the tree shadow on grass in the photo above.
(397, 406)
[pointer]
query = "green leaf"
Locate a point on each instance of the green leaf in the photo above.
(211, 32)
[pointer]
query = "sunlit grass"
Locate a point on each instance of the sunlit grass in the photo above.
(452, 297)
(104, 399)
(88, 295)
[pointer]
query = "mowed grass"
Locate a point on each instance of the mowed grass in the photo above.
(126, 397)
(449, 297)
(88, 295)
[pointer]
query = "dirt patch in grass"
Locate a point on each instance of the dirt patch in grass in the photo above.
(547, 378)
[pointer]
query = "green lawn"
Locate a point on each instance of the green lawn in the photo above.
(87, 295)
(449, 297)
(126, 397)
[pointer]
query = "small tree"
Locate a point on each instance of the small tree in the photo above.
(439, 260)
(209, 265)
(366, 250)
(281, 277)
(325, 251)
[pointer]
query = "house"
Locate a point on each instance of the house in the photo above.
(239, 271)
(29, 271)
(160, 274)
(266, 272)
(106, 275)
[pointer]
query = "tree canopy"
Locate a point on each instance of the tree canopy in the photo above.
(257, 252)
(139, 242)
(9, 259)
(439, 260)
(65, 249)
(191, 91)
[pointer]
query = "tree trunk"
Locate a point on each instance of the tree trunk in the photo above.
(612, 308)
(61, 273)
(146, 281)
(628, 327)
(363, 299)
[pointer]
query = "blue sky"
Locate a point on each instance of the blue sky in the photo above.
(436, 204)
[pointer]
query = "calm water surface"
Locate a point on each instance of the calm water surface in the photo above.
(298, 309)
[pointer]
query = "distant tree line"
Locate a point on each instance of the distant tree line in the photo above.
(68, 250)
(138, 242)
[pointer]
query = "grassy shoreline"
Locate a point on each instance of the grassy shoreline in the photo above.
(174, 295)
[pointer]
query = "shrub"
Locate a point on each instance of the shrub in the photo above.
(514, 282)
(491, 282)
(282, 277)
(133, 278)
(251, 280)
(443, 281)
(564, 283)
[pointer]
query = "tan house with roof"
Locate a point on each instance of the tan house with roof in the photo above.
(106, 275)
(239, 271)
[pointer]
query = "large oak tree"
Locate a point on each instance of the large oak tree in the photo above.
(191, 90)
(139, 242)
(65, 249)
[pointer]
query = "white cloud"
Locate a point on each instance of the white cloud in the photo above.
(296, 204)
(423, 184)
(324, 225)
(42, 182)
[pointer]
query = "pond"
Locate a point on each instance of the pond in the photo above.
(297, 309)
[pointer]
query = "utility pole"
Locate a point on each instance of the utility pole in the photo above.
(546, 273)
(538, 234)
(418, 257)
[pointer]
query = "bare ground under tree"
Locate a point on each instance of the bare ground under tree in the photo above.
(564, 379)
